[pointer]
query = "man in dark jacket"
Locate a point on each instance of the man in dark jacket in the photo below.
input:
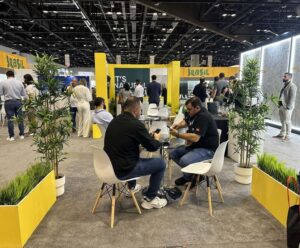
(154, 91)
(123, 137)
(200, 91)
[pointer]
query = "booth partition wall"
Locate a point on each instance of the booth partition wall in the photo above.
(275, 59)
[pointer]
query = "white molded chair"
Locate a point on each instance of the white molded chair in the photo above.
(209, 170)
(110, 183)
(152, 110)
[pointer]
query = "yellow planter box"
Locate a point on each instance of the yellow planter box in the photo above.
(96, 132)
(272, 195)
(17, 222)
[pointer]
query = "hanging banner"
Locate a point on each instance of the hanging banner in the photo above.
(12, 61)
(67, 60)
(197, 72)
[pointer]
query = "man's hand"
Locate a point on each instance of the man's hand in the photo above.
(174, 126)
(156, 136)
(174, 132)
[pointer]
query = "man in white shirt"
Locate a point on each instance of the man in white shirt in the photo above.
(83, 97)
(101, 116)
(139, 90)
(73, 102)
(13, 91)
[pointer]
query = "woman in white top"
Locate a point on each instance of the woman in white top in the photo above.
(83, 96)
(139, 90)
(32, 92)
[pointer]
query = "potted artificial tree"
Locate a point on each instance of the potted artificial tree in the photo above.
(53, 123)
(247, 119)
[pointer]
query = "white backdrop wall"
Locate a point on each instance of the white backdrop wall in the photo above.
(275, 59)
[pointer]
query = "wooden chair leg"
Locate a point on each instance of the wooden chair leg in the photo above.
(113, 204)
(98, 198)
(209, 196)
(219, 188)
(135, 202)
(185, 194)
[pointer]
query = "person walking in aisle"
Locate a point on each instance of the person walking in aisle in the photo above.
(73, 102)
(286, 104)
(32, 92)
(154, 91)
(13, 91)
(83, 97)
(200, 91)
(139, 90)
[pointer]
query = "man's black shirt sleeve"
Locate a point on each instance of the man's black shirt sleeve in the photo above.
(145, 139)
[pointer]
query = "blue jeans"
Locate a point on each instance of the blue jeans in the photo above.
(73, 111)
(155, 167)
(184, 157)
(13, 108)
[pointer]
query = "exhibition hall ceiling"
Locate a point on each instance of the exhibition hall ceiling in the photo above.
(170, 30)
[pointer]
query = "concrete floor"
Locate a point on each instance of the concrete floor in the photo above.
(239, 222)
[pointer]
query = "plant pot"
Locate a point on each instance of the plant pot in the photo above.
(18, 222)
(243, 175)
(60, 185)
(272, 195)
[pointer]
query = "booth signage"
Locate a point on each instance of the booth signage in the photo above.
(129, 75)
(12, 61)
(196, 72)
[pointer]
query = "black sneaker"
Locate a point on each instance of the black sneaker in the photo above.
(181, 181)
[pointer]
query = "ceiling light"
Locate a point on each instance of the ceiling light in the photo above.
(258, 30)
(109, 13)
(20, 27)
(224, 14)
(233, 15)
(72, 28)
(55, 12)
(64, 27)
(155, 14)
(289, 16)
(163, 29)
(204, 29)
(164, 14)
(114, 28)
(119, 13)
(193, 39)
(197, 29)
(45, 11)
(199, 39)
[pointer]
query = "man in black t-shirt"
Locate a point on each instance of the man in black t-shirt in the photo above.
(124, 135)
(202, 138)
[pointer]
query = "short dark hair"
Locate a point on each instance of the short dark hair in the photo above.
(153, 77)
(194, 101)
(131, 103)
(216, 78)
(10, 74)
(289, 74)
(28, 79)
(221, 75)
(137, 81)
(126, 86)
(99, 101)
(202, 80)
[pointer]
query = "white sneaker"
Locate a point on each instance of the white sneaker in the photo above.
(136, 189)
(154, 203)
(21, 137)
(10, 138)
